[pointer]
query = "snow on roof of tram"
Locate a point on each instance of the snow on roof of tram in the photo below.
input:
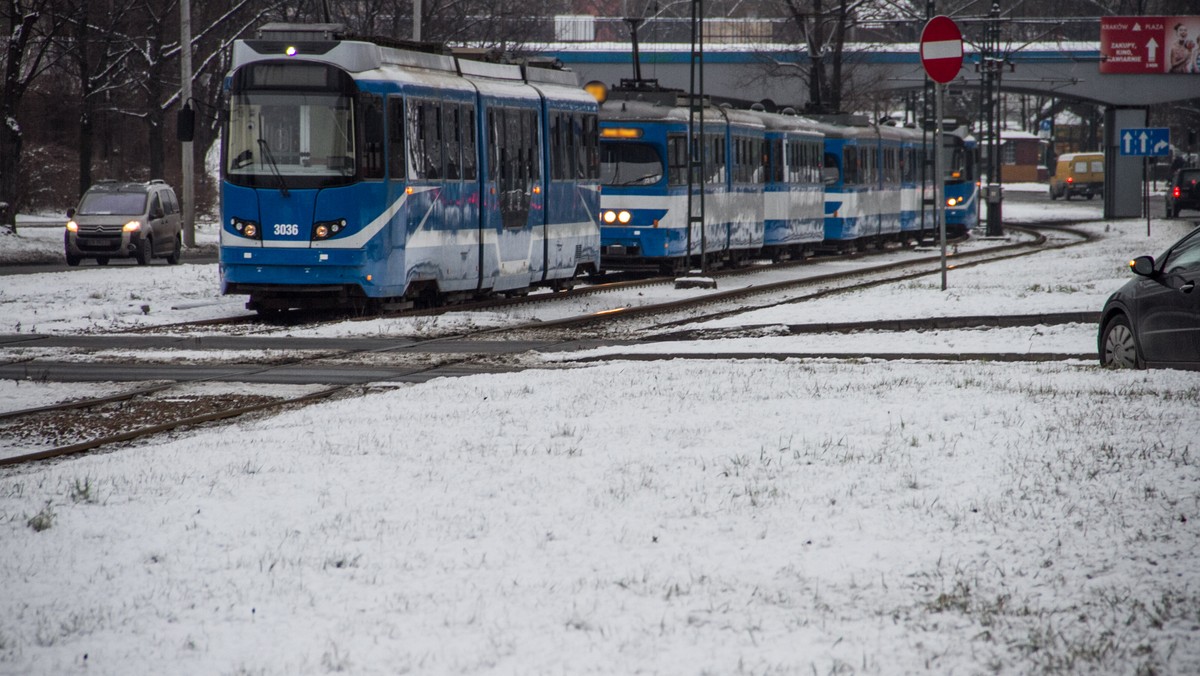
(330, 43)
(495, 71)
(550, 73)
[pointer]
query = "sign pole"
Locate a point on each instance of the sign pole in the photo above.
(941, 56)
(939, 184)
(1146, 190)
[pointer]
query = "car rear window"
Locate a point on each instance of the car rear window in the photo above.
(1190, 176)
(112, 204)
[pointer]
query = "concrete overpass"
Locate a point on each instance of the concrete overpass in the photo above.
(771, 71)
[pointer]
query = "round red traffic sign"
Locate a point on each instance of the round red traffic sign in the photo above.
(941, 49)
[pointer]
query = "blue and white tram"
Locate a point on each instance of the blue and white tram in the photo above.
(872, 193)
(359, 174)
(794, 190)
(643, 171)
(911, 157)
(961, 158)
(644, 156)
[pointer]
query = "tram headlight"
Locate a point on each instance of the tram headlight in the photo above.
(611, 216)
(248, 229)
(327, 229)
(953, 201)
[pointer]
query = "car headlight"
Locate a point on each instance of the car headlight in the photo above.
(246, 228)
(327, 229)
(132, 226)
(72, 226)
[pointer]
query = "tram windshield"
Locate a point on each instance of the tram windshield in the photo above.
(275, 135)
(958, 161)
(629, 164)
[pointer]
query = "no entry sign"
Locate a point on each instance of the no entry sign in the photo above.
(941, 49)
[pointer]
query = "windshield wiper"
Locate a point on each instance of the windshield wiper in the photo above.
(266, 151)
(644, 179)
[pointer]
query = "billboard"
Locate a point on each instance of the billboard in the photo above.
(1150, 44)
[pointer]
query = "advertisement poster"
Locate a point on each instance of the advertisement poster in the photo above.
(1150, 44)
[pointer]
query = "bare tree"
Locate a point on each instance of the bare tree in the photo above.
(30, 25)
(98, 55)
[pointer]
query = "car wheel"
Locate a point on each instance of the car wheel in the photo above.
(1053, 195)
(1175, 211)
(144, 249)
(101, 261)
(173, 257)
(73, 260)
(1118, 349)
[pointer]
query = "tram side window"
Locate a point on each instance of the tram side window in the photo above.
(775, 162)
(763, 161)
(469, 147)
(452, 130)
(495, 126)
(371, 158)
(716, 159)
(591, 146)
(580, 157)
(512, 169)
(850, 175)
(533, 149)
(502, 150)
(573, 151)
(425, 140)
(558, 147)
(865, 175)
(396, 136)
(737, 160)
(676, 159)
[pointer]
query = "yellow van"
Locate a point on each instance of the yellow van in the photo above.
(1078, 174)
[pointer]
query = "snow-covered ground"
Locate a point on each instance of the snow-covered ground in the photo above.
(683, 516)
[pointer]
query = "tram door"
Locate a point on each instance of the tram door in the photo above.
(513, 173)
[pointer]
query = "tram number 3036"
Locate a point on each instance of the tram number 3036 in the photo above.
(285, 229)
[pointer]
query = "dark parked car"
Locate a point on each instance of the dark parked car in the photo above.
(122, 220)
(1154, 320)
(1183, 192)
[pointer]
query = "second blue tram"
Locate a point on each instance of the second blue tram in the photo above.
(961, 158)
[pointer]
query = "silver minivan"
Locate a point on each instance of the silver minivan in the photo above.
(125, 220)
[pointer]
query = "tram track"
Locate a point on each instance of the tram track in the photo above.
(302, 319)
(468, 357)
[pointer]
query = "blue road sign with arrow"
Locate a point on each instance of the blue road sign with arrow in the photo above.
(1149, 141)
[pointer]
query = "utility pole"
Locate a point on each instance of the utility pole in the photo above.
(185, 96)
(928, 110)
(991, 65)
(416, 20)
(697, 143)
